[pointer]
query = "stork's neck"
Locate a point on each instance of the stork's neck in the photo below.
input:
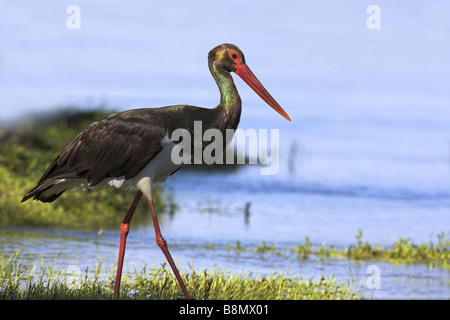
(229, 108)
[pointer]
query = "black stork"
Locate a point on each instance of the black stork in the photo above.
(132, 148)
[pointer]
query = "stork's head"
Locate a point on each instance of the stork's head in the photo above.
(229, 58)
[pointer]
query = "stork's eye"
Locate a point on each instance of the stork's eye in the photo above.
(234, 56)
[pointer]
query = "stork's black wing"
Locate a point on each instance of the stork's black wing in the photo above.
(119, 145)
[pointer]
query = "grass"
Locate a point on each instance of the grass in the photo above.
(22, 280)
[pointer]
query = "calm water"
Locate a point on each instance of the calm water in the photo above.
(368, 146)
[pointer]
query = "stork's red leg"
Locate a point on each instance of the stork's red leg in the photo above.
(163, 245)
(124, 228)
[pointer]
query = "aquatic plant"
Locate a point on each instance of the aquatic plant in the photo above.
(403, 251)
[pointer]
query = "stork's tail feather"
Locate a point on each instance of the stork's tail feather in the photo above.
(41, 197)
(51, 186)
(42, 193)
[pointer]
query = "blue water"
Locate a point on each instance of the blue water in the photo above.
(368, 146)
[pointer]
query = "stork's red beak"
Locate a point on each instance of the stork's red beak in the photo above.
(243, 71)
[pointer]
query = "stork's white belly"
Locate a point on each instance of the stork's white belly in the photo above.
(157, 170)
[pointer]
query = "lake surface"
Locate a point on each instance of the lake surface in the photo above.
(368, 146)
